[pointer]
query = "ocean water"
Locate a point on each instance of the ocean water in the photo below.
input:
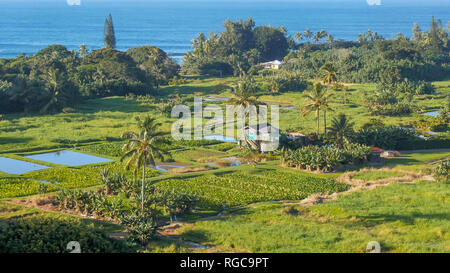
(26, 26)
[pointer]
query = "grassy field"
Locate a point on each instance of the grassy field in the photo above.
(101, 120)
(403, 218)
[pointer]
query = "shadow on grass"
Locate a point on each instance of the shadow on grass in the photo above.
(189, 90)
(403, 160)
(195, 236)
(14, 140)
(376, 219)
(113, 104)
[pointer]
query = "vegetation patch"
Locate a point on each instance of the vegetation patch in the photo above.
(15, 187)
(43, 234)
(81, 177)
(242, 188)
(413, 215)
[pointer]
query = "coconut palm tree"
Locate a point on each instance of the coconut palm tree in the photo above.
(83, 50)
(329, 73)
(143, 148)
(317, 37)
(244, 96)
(316, 97)
(100, 76)
(298, 36)
(326, 107)
(330, 39)
(53, 80)
(244, 93)
(308, 34)
(341, 129)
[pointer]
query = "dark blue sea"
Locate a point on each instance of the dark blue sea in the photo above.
(27, 26)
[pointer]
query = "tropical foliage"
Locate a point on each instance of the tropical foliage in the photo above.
(41, 234)
(326, 158)
(236, 50)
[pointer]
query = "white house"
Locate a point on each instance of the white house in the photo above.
(263, 137)
(272, 65)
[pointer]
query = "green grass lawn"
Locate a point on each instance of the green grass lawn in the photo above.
(401, 217)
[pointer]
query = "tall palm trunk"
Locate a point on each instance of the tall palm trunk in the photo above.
(142, 186)
(325, 121)
(318, 121)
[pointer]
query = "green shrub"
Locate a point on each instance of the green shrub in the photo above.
(140, 229)
(326, 158)
(441, 171)
(385, 138)
(42, 234)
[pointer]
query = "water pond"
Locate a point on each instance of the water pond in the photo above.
(69, 158)
(220, 138)
(13, 166)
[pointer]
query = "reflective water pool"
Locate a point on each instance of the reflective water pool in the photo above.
(215, 98)
(165, 168)
(13, 166)
(69, 158)
(432, 114)
(220, 138)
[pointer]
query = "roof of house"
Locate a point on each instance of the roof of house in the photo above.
(276, 62)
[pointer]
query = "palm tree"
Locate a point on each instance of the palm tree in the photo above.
(330, 39)
(317, 37)
(83, 50)
(244, 92)
(341, 129)
(326, 107)
(100, 76)
(315, 99)
(143, 148)
(54, 82)
(298, 36)
(329, 73)
(244, 96)
(308, 34)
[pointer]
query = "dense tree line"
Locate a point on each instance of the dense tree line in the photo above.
(56, 78)
(237, 49)
(376, 59)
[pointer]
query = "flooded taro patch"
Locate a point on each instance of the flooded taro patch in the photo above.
(69, 158)
(13, 166)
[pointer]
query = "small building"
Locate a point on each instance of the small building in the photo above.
(390, 154)
(295, 135)
(272, 65)
(263, 137)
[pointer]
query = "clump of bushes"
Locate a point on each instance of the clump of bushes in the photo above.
(284, 82)
(441, 171)
(177, 81)
(431, 124)
(326, 158)
(383, 137)
(51, 235)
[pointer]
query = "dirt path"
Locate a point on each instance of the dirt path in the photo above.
(358, 185)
